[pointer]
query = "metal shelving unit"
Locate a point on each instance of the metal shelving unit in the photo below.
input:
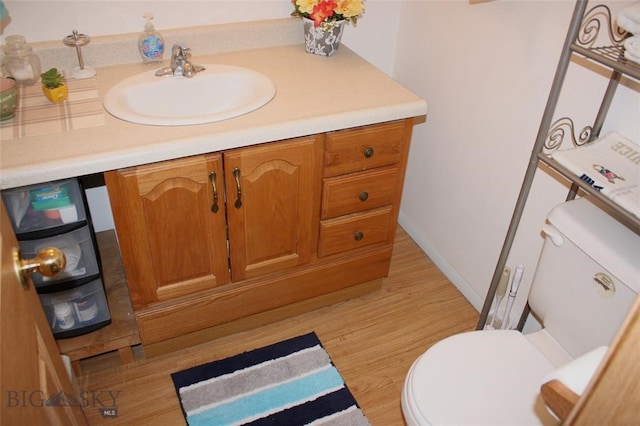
(582, 36)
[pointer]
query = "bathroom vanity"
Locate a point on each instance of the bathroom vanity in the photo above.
(228, 225)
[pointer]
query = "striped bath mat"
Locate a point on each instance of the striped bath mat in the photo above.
(293, 382)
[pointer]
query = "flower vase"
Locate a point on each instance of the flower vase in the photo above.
(319, 41)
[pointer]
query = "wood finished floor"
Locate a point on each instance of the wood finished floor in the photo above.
(373, 340)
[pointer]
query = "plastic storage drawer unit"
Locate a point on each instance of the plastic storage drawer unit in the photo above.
(56, 214)
(76, 311)
(78, 249)
(45, 206)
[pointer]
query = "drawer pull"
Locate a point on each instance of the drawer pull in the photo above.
(214, 188)
(364, 195)
(358, 236)
(368, 152)
(236, 176)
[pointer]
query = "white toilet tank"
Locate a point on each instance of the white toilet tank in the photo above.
(587, 277)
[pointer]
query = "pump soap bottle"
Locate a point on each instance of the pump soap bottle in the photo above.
(150, 42)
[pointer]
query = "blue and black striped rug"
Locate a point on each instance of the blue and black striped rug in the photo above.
(293, 382)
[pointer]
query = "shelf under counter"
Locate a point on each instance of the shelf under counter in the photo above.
(122, 334)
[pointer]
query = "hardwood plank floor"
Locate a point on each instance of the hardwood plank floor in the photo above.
(372, 339)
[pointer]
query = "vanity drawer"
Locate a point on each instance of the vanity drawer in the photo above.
(363, 148)
(359, 191)
(354, 231)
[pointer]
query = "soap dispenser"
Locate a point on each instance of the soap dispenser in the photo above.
(150, 42)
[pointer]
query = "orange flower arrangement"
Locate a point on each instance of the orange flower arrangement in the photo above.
(325, 13)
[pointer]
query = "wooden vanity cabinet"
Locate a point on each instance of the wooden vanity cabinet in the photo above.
(284, 227)
(171, 242)
(362, 186)
(174, 218)
(274, 226)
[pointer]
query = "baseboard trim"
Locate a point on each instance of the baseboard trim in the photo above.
(441, 262)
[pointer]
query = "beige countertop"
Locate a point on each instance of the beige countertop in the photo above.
(314, 94)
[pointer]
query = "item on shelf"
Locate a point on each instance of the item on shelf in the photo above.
(611, 164)
(20, 61)
(150, 42)
(68, 214)
(54, 87)
(17, 202)
(629, 18)
(86, 308)
(78, 40)
(8, 98)
(632, 49)
(73, 253)
(64, 315)
(50, 197)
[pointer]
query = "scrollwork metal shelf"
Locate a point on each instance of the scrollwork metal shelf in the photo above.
(612, 54)
(612, 57)
(562, 130)
(623, 215)
(584, 37)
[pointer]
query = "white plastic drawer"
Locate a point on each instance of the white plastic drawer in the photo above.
(72, 310)
(78, 249)
(44, 206)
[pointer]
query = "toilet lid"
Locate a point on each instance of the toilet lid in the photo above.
(489, 377)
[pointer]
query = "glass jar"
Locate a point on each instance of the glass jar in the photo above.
(20, 61)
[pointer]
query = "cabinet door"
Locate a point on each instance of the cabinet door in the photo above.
(273, 205)
(172, 241)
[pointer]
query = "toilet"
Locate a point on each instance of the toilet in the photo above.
(585, 282)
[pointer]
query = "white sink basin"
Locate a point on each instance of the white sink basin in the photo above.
(218, 93)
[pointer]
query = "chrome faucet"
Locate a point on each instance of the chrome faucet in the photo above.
(180, 66)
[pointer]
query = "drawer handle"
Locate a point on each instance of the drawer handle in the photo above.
(358, 236)
(368, 152)
(236, 176)
(214, 188)
(364, 195)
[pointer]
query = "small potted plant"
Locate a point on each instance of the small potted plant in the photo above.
(53, 85)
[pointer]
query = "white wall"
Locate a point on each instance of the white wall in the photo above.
(485, 71)
(43, 20)
(46, 20)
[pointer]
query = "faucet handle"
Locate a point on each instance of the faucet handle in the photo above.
(180, 51)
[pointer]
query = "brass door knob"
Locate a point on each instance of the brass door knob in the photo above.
(49, 262)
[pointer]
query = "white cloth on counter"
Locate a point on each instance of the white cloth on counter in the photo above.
(629, 18)
(632, 49)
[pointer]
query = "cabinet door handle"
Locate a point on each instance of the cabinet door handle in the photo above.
(358, 236)
(363, 196)
(214, 188)
(368, 152)
(236, 176)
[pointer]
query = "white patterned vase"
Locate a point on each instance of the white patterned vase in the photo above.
(319, 41)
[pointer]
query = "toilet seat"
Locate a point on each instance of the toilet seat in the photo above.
(501, 370)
